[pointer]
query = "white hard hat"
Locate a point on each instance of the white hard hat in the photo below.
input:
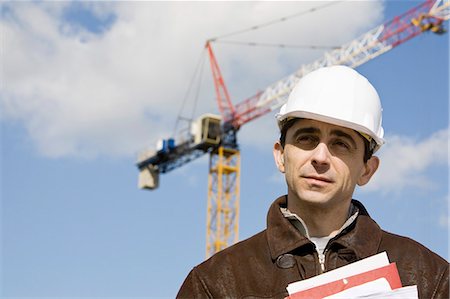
(338, 95)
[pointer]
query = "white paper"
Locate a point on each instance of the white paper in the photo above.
(364, 265)
(409, 292)
(380, 285)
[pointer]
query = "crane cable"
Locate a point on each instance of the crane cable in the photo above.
(198, 72)
(274, 21)
(253, 44)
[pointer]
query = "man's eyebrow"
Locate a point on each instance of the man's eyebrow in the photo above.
(306, 130)
(336, 132)
(347, 136)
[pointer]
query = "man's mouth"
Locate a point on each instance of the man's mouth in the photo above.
(318, 179)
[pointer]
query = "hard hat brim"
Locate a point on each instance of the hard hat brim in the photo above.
(282, 118)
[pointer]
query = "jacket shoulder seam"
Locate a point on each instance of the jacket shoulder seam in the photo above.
(441, 277)
(202, 282)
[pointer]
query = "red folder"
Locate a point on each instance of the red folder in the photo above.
(389, 272)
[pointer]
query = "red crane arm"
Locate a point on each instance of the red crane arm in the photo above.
(226, 108)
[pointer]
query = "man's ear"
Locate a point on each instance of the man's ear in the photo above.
(370, 168)
(278, 155)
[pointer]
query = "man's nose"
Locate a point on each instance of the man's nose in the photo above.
(321, 155)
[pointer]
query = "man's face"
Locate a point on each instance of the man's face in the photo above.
(323, 162)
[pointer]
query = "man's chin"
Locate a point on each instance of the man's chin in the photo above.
(318, 200)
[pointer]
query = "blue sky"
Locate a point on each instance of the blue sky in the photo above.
(88, 85)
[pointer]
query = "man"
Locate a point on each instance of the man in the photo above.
(330, 127)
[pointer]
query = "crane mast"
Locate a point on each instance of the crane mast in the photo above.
(216, 135)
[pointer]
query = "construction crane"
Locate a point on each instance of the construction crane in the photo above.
(217, 134)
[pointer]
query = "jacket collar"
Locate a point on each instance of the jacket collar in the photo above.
(282, 236)
(363, 236)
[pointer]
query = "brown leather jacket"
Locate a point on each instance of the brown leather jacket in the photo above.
(263, 265)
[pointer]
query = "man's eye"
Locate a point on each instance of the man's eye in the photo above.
(342, 144)
(306, 139)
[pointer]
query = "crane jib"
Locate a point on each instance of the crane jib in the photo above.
(427, 16)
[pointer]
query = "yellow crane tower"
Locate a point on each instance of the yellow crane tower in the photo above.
(216, 134)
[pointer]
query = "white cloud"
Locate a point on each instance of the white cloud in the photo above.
(78, 93)
(404, 162)
(444, 221)
(444, 218)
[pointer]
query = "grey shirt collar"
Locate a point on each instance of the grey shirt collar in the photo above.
(301, 226)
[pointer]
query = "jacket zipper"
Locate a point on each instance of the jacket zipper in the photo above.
(322, 260)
